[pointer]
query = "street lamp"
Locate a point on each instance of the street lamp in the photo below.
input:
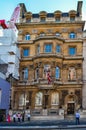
(24, 107)
(10, 79)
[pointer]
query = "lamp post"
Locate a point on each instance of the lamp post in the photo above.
(24, 107)
(11, 84)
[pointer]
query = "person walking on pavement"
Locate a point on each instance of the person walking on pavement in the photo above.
(14, 117)
(8, 118)
(77, 116)
(19, 117)
(28, 116)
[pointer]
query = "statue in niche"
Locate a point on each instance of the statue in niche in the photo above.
(72, 74)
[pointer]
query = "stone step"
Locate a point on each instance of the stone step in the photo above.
(47, 117)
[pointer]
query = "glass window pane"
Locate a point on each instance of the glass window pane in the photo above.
(58, 48)
(38, 49)
(72, 50)
(26, 73)
(27, 37)
(26, 52)
(55, 98)
(38, 98)
(48, 48)
(72, 35)
(57, 34)
(57, 72)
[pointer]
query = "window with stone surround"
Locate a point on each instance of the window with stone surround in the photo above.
(48, 48)
(58, 49)
(55, 98)
(25, 73)
(26, 52)
(27, 37)
(38, 98)
(57, 72)
(72, 35)
(72, 51)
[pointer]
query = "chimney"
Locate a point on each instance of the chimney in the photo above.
(79, 8)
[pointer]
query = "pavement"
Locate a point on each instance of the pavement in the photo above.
(44, 124)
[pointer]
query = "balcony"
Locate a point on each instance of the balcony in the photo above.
(41, 55)
(41, 83)
(49, 36)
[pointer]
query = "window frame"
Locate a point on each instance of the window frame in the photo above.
(72, 35)
(58, 50)
(27, 37)
(25, 73)
(46, 49)
(73, 49)
(26, 53)
(57, 72)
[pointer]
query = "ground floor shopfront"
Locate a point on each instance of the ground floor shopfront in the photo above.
(48, 99)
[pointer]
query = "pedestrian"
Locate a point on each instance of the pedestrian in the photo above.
(28, 116)
(77, 116)
(23, 117)
(8, 118)
(19, 117)
(14, 117)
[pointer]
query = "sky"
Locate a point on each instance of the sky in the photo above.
(35, 6)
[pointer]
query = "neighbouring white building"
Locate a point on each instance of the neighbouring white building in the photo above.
(9, 53)
(9, 66)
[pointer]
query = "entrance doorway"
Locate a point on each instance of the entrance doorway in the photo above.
(70, 108)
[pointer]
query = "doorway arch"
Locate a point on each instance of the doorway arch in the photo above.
(71, 101)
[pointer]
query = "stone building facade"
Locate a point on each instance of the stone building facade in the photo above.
(51, 47)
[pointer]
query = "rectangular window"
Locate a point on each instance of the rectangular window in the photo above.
(48, 48)
(72, 51)
(72, 19)
(57, 19)
(57, 72)
(38, 49)
(42, 19)
(25, 74)
(26, 52)
(58, 49)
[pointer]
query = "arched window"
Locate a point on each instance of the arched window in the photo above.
(38, 99)
(55, 98)
(57, 73)
(72, 35)
(27, 37)
(57, 34)
(42, 34)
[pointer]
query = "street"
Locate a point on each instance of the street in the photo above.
(44, 125)
(42, 128)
